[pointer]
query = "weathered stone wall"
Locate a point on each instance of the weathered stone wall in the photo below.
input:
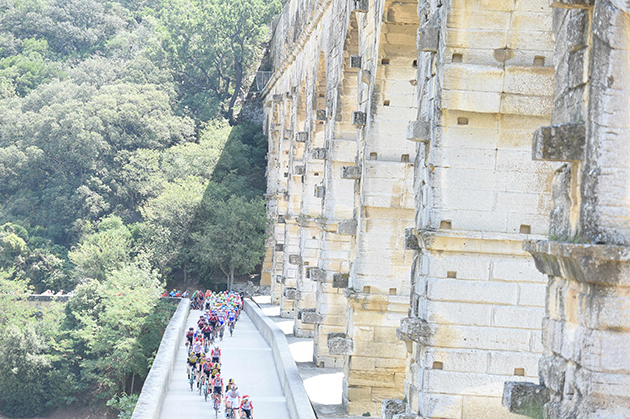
(485, 80)
(382, 224)
(585, 370)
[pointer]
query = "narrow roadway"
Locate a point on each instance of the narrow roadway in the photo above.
(248, 359)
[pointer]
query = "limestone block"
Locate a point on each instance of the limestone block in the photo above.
(298, 170)
(310, 316)
(526, 105)
(415, 329)
(302, 136)
(340, 280)
(391, 407)
(532, 295)
(419, 131)
(361, 6)
(355, 61)
(351, 172)
(319, 153)
(347, 227)
(411, 240)
(572, 4)
(320, 115)
(338, 345)
(406, 416)
(531, 81)
(465, 384)
(488, 292)
(525, 398)
(444, 312)
(462, 360)
(291, 294)
(295, 259)
(316, 274)
(478, 78)
(562, 142)
(278, 98)
(440, 406)
(319, 191)
(359, 118)
(429, 36)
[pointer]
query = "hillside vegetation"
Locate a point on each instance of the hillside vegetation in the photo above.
(122, 166)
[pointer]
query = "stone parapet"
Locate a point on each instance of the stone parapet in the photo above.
(155, 386)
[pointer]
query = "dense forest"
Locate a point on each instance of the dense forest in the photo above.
(124, 166)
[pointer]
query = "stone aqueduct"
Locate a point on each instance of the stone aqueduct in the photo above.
(449, 187)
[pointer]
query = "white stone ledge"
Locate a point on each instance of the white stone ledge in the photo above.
(297, 399)
(474, 241)
(155, 386)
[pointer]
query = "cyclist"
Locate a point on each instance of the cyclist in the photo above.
(189, 338)
(216, 354)
(231, 321)
(192, 363)
(217, 384)
(229, 385)
(233, 393)
(232, 400)
(216, 369)
(247, 407)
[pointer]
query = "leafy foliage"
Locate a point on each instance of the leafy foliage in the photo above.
(118, 173)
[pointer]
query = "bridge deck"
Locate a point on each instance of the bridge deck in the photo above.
(248, 359)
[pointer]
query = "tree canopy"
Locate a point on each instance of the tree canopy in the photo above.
(123, 168)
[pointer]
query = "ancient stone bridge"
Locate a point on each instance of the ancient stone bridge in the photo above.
(414, 147)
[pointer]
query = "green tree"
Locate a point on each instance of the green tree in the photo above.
(211, 45)
(104, 251)
(232, 236)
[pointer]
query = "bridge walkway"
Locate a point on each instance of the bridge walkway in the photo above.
(248, 359)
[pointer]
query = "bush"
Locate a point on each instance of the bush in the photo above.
(124, 404)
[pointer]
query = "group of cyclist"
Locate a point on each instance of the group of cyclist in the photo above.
(204, 355)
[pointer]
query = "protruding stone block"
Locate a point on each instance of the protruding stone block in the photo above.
(302, 136)
(351, 172)
(291, 294)
(356, 61)
(347, 227)
(320, 114)
(278, 279)
(572, 4)
(295, 259)
(429, 36)
(340, 345)
(359, 118)
(415, 329)
(525, 398)
(279, 247)
(319, 153)
(411, 240)
(281, 220)
(340, 280)
(288, 134)
(419, 131)
(391, 407)
(298, 170)
(361, 6)
(320, 191)
(316, 274)
(278, 98)
(562, 142)
(310, 316)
